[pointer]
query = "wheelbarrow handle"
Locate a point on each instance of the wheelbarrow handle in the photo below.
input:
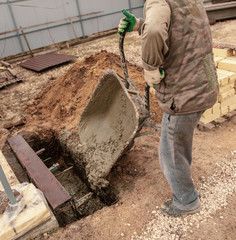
(122, 57)
(125, 70)
(146, 97)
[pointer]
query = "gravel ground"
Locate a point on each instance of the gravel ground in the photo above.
(213, 194)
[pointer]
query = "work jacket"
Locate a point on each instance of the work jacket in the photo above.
(183, 47)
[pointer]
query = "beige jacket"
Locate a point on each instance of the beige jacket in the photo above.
(176, 35)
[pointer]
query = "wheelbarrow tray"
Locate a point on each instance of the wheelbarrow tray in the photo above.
(107, 126)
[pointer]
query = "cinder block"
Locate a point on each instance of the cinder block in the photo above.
(225, 95)
(227, 64)
(221, 52)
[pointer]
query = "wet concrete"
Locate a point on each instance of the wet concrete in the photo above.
(107, 125)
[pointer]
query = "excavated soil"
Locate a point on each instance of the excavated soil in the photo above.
(60, 105)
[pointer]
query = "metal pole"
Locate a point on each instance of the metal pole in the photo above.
(81, 22)
(31, 53)
(73, 27)
(7, 187)
(130, 8)
(15, 25)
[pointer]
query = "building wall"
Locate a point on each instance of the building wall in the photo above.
(47, 22)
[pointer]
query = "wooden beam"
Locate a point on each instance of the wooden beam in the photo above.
(11, 177)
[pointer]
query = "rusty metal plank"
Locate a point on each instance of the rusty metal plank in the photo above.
(37, 170)
(40, 63)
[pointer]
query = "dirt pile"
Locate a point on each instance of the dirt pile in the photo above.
(60, 105)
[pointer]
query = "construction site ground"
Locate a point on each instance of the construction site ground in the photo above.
(54, 99)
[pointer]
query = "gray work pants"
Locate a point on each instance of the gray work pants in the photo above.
(175, 156)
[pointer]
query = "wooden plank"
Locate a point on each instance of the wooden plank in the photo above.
(6, 83)
(38, 172)
(11, 177)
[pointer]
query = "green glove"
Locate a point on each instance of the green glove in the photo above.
(128, 22)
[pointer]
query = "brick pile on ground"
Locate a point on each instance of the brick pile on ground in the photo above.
(225, 61)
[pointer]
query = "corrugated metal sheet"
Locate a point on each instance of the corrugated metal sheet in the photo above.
(40, 63)
(16, 14)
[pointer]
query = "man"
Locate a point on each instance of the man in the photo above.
(176, 36)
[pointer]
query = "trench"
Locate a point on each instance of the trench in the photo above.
(59, 161)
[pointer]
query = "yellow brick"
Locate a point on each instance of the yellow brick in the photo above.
(216, 108)
(229, 103)
(225, 95)
(225, 72)
(209, 118)
(222, 79)
(232, 103)
(207, 112)
(231, 75)
(224, 110)
(232, 79)
(219, 52)
(232, 107)
(227, 64)
(232, 58)
(226, 88)
(217, 59)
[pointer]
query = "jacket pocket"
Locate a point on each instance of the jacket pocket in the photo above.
(160, 91)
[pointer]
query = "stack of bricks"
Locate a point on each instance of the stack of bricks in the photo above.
(225, 61)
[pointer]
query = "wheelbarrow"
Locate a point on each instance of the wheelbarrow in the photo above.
(112, 119)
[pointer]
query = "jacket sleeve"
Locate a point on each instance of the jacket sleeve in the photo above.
(154, 32)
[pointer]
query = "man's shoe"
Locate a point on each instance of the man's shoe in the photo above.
(169, 209)
(166, 204)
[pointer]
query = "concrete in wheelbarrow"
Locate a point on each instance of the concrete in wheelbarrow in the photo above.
(107, 127)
